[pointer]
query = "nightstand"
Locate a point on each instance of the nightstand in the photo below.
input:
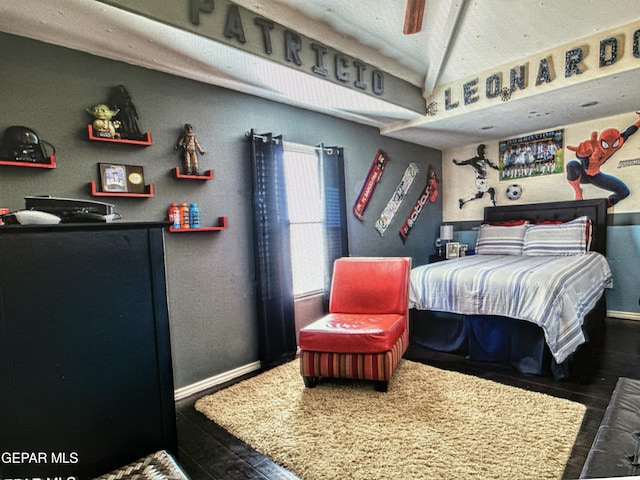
(436, 258)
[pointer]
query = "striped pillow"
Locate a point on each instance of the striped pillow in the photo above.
(496, 240)
(558, 240)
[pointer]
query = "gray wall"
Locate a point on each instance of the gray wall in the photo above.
(210, 275)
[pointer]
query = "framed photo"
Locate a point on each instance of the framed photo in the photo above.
(122, 178)
(453, 250)
(531, 156)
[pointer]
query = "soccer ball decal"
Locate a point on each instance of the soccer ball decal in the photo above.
(514, 191)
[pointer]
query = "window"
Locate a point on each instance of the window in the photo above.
(305, 205)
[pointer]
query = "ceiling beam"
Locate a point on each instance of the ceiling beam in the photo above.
(447, 38)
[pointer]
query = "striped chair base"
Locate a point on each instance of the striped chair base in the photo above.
(364, 366)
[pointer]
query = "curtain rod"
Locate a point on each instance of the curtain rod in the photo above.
(288, 144)
(262, 137)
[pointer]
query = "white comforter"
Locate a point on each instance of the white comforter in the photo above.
(553, 292)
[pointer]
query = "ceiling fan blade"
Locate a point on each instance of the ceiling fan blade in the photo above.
(413, 16)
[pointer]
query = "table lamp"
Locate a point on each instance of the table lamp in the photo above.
(446, 234)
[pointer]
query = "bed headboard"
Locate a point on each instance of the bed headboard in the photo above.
(596, 210)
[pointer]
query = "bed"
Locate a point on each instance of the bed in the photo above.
(532, 296)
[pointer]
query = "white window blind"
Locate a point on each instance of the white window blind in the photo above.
(305, 205)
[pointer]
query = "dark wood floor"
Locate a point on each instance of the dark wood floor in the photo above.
(209, 452)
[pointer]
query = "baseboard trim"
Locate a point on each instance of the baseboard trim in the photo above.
(214, 381)
(623, 315)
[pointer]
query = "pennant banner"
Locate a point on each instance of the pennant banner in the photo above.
(429, 194)
(396, 199)
(373, 177)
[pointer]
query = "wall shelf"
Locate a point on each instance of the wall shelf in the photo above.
(51, 163)
(146, 142)
(97, 193)
(208, 175)
(222, 225)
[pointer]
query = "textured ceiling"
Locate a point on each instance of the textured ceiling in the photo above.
(477, 35)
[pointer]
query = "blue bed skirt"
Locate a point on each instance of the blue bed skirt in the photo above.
(484, 338)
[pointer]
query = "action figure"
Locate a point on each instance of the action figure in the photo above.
(103, 126)
(591, 155)
(127, 116)
(189, 145)
(479, 164)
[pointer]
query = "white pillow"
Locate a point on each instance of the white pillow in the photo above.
(499, 240)
(563, 239)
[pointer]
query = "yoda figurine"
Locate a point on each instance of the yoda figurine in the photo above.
(103, 126)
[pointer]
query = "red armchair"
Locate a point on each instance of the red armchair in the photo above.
(366, 332)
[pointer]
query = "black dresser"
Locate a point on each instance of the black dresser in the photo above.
(86, 380)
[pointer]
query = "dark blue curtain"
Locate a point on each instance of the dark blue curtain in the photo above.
(274, 284)
(331, 166)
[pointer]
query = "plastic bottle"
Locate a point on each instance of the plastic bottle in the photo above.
(184, 215)
(174, 215)
(194, 216)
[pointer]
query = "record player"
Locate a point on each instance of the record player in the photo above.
(72, 210)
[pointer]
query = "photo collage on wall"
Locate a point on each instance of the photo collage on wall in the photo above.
(532, 155)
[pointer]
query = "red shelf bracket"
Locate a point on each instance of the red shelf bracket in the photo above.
(208, 175)
(13, 163)
(146, 142)
(222, 225)
(97, 193)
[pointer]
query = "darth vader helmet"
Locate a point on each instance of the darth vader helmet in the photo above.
(14, 136)
(22, 144)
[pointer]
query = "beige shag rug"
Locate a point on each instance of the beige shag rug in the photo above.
(431, 424)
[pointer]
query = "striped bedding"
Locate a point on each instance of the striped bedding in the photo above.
(554, 292)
